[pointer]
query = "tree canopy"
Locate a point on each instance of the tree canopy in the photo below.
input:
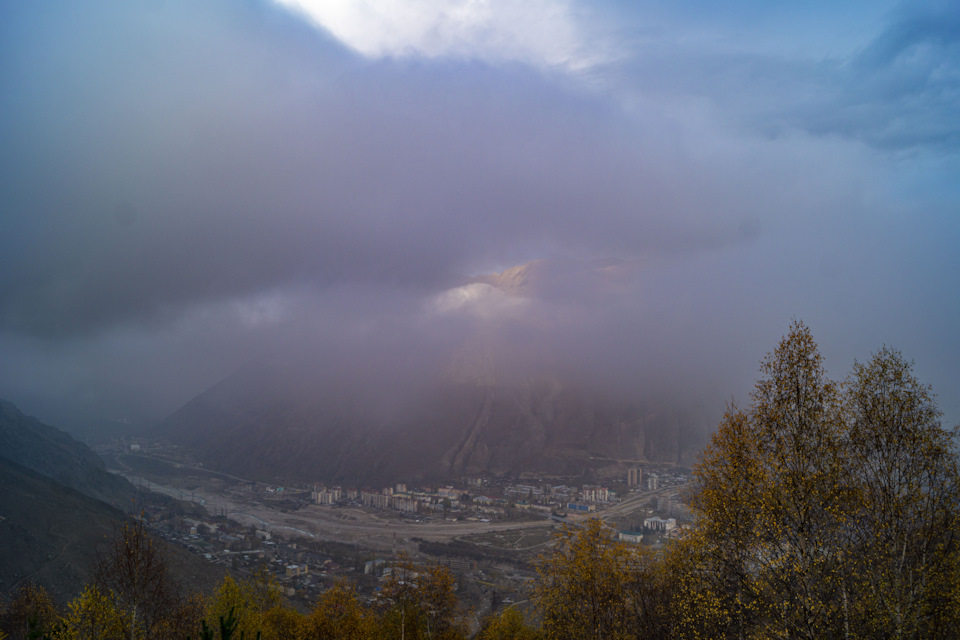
(831, 508)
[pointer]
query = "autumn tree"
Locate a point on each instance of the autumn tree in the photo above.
(903, 465)
(829, 510)
(726, 499)
(771, 495)
(282, 623)
(508, 625)
(400, 594)
(583, 584)
(29, 613)
(249, 603)
(438, 600)
(340, 616)
(421, 602)
(695, 596)
(93, 614)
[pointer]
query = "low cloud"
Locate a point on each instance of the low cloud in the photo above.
(186, 188)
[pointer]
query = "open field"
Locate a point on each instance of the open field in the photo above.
(528, 539)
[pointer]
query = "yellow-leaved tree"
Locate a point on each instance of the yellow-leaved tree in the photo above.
(771, 495)
(903, 539)
(30, 613)
(508, 625)
(830, 510)
(421, 602)
(93, 614)
(340, 616)
(584, 584)
(249, 603)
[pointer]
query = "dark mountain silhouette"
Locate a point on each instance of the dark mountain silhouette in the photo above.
(49, 533)
(54, 511)
(53, 453)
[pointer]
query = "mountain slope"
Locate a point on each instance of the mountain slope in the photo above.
(521, 377)
(51, 452)
(48, 532)
(542, 426)
(54, 513)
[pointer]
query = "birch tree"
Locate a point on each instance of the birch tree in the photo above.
(831, 510)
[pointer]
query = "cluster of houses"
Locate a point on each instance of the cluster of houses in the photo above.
(398, 498)
(243, 548)
(541, 498)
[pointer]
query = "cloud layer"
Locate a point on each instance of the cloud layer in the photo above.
(542, 33)
(186, 187)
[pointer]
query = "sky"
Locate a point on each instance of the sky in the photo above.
(188, 187)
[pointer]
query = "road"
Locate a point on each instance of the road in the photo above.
(343, 524)
(372, 529)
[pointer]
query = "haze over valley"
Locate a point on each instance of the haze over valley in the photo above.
(254, 254)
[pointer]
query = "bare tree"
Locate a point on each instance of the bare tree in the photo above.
(133, 571)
